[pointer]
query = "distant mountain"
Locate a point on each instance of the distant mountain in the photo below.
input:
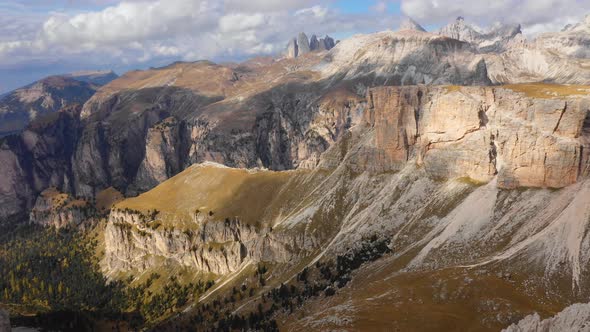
(98, 77)
(21, 106)
(492, 39)
(302, 45)
(572, 40)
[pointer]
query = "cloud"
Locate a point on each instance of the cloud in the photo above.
(536, 16)
(147, 32)
(144, 31)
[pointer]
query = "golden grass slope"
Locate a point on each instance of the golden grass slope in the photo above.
(253, 196)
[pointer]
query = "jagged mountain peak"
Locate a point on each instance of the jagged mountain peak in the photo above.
(409, 24)
(301, 45)
(492, 39)
(582, 26)
(461, 30)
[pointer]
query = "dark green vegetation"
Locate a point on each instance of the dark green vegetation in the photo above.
(319, 279)
(54, 275)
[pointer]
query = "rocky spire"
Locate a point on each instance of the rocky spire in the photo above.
(292, 49)
(303, 44)
(329, 42)
(461, 31)
(409, 24)
(314, 43)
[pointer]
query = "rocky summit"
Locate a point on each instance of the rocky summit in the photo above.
(399, 180)
(303, 45)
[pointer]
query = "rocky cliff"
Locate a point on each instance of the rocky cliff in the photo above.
(38, 158)
(303, 45)
(573, 318)
(58, 210)
(209, 218)
(474, 132)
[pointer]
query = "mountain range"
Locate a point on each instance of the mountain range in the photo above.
(399, 180)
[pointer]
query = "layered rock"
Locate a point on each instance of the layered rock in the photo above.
(573, 318)
(218, 220)
(407, 57)
(480, 133)
(217, 247)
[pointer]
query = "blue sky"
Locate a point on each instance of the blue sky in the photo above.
(44, 37)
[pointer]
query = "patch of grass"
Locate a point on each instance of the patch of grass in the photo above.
(548, 91)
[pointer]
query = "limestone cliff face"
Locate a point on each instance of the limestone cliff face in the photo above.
(35, 160)
(135, 242)
(573, 318)
(58, 210)
(478, 132)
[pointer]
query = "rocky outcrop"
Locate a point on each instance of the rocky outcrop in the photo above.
(58, 210)
(479, 133)
(303, 45)
(292, 48)
(573, 318)
(134, 241)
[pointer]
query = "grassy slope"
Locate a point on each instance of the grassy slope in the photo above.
(252, 196)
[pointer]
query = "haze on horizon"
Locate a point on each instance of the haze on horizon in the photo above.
(41, 38)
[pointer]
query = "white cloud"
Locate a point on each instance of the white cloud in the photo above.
(536, 16)
(135, 31)
(144, 31)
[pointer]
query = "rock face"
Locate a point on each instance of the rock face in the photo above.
(199, 229)
(214, 247)
(58, 210)
(405, 58)
(38, 158)
(303, 45)
(495, 39)
(4, 321)
(461, 31)
(480, 133)
(573, 318)
(292, 48)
